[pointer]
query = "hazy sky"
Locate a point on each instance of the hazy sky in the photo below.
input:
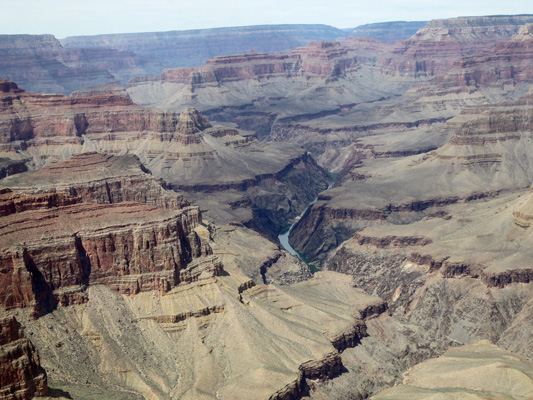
(71, 17)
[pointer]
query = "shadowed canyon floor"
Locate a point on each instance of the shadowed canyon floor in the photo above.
(138, 242)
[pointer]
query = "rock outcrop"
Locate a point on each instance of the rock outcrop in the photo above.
(96, 219)
(316, 60)
(149, 335)
(341, 91)
(491, 372)
(159, 50)
(430, 211)
(53, 246)
(99, 178)
(506, 66)
(21, 374)
(184, 149)
(439, 43)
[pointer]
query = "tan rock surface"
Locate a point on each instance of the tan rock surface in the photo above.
(477, 371)
(202, 339)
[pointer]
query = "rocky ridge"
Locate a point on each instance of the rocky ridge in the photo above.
(127, 246)
(54, 66)
(432, 228)
(184, 150)
(173, 49)
(22, 376)
(319, 96)
(427, 380)
(99, 230)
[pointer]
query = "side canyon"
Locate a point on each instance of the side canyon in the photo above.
(139, 219)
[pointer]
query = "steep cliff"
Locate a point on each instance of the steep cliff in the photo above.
(100, 178)
(172, 49)
(53, 246)
(213, 164)
(327, 95)
(21, 374)
(439, 43)
(506, 66)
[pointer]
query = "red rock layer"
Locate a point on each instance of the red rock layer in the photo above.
(21, 374)
(506, 64)
(437, 45)
(25, 116)
(101, 178)
(317, 60)
(433, 49)
(49, 250)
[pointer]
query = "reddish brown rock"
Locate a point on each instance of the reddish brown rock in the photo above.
(52, 246)
(21, 374)
(25, 116)
(317, 60)
(172, 49)
(183, 149)
(99, 178)
(506, 64)
(438, 44)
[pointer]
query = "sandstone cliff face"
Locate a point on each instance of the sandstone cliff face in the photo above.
(53, 246)
(185, 150)
(100, 178)
(28, 116)
(21, 374)
(316, 60)
(439, 43)
(159, 50)
(504, 66)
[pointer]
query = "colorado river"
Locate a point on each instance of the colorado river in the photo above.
(284, 237)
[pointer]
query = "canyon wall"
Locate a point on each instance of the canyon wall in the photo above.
(21, 374)
(191, 48)
(50, 68)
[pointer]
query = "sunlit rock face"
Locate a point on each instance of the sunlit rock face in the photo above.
(22, 376)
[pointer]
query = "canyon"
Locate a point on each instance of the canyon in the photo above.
(73, 63)
(139, 219)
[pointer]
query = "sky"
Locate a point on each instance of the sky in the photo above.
(90, 17)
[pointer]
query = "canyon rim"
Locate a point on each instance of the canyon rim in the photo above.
(145, 179)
